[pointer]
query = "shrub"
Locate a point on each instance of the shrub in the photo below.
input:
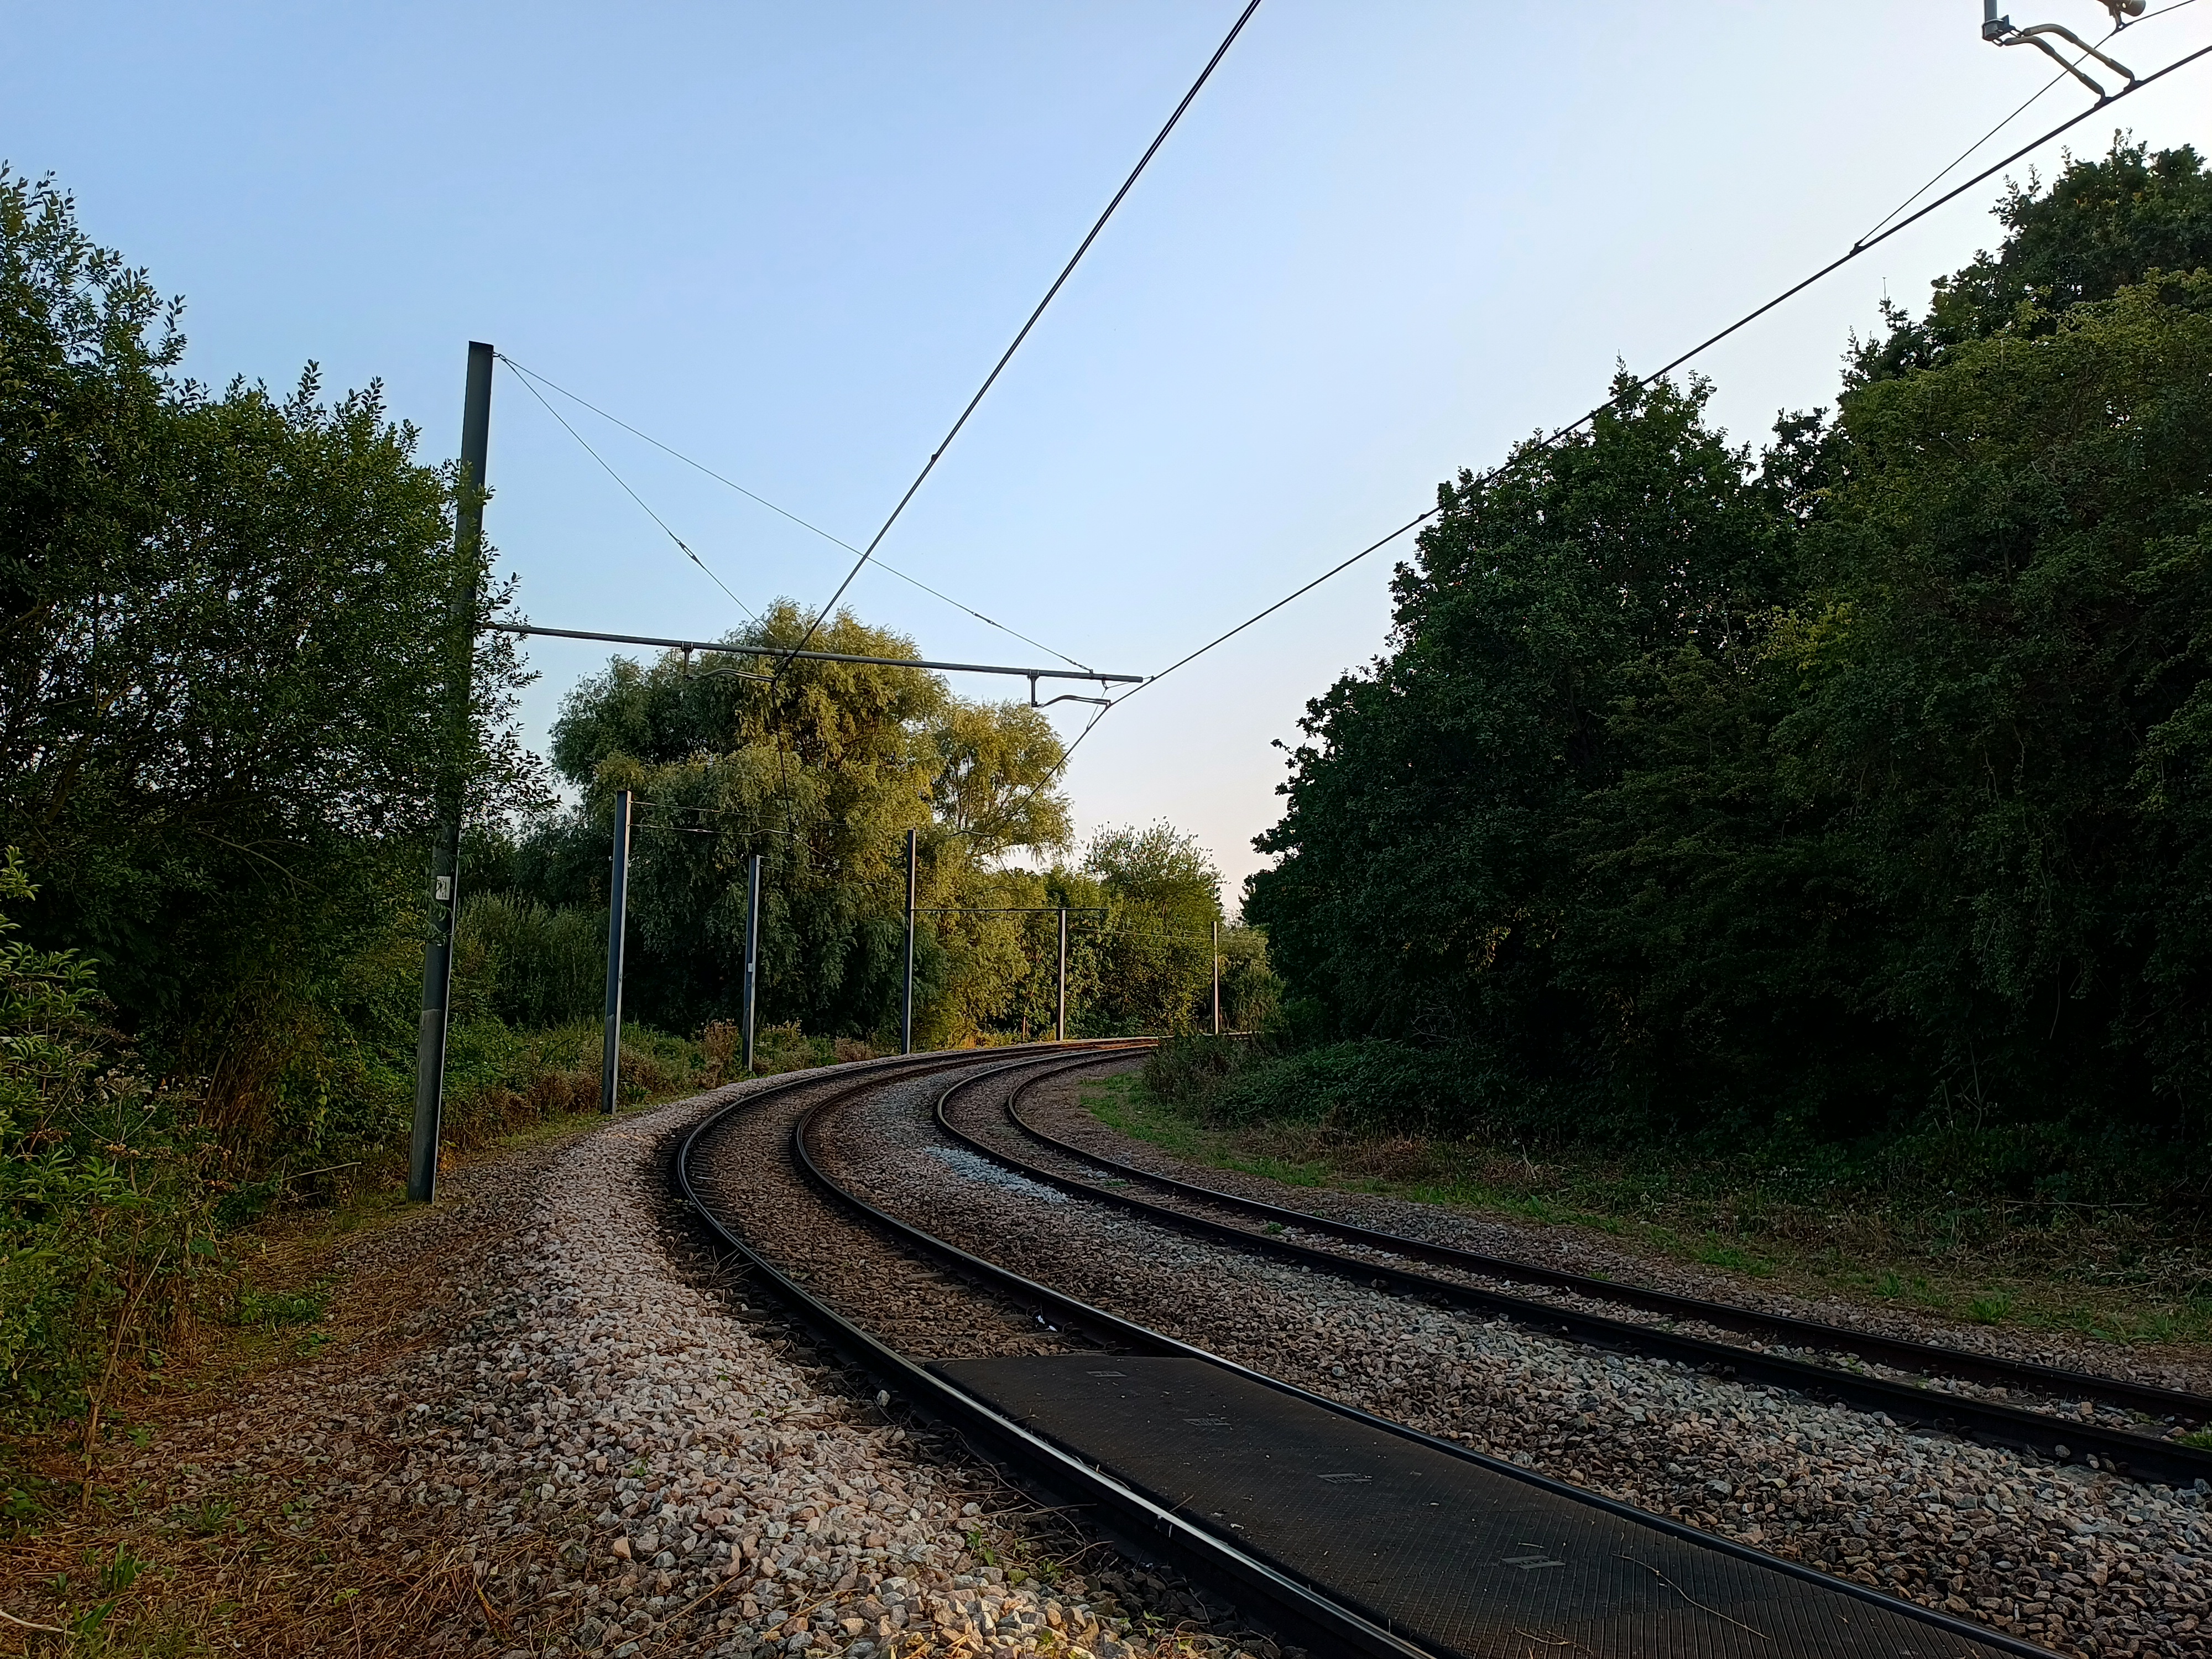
(105, 1205)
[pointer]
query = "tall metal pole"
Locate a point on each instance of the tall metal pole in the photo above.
(753, 952)
(1216, 978)
(1060, 1020)
(445, 852)
(906, 1016)
(617, 913)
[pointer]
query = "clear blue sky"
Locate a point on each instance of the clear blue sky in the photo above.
(1388, 239)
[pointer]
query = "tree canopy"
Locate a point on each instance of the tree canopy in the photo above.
(1854, 784)
(822, 774)
(224, 667)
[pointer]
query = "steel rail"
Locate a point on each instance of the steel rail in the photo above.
(1083, 1315)
(2136, 1455)
(2144, 1397)
(1283, 1599)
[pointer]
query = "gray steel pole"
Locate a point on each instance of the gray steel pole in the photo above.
(445, 852)
(1060, 1020)
(906, 1018)
(617, 913)
(1217, 979)
(753, 951)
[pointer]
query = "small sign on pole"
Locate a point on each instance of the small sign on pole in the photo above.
(617, 906)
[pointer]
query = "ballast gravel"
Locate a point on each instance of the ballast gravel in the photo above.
(2078, 1560)
(992, 1128)
(733, 1504)
(617, 1456)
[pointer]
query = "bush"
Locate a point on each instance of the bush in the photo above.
(105, 1203)
(1361, 1088)
(534, 965)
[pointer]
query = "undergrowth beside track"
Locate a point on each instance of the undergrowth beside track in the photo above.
(1863, 1227)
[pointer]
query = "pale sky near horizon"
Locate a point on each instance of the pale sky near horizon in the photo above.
(1387, 241)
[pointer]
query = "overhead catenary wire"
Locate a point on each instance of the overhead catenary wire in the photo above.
(753, 496)
(1068, 271)
(632, 494)
(1857, 249)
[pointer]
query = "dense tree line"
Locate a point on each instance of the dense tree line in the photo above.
(222, 671)
(822, 774)
(1854, 786)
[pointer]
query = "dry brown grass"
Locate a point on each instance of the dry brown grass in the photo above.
(197, 1527)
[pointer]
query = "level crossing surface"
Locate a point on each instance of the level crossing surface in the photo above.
(1457, 1554)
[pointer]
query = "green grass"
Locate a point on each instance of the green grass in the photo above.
(2104, 1277)
(273, 1310)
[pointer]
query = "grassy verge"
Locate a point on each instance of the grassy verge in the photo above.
(264, 1291)
(2108, 1274)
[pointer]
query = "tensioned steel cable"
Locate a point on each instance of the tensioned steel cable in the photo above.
(990, 379)
(754, 495)
(1748, 318)
(627, 491)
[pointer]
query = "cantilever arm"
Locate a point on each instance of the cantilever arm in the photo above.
(1067, 696)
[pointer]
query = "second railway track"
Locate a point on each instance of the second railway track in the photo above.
(1486, 1284)
(878, 1145)
(2145, 1399)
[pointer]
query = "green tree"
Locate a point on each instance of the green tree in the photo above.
(1152, 959)
(822, 774)
(1861, 792)
(2102, 225)
(1424, 884)
(2007, 686)
(222, 671)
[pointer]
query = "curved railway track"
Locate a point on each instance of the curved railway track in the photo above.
(2176, 1407)
(2128, 1450)
(843, 1267)
(919, 1312)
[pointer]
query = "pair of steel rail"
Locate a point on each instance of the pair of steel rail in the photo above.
(1300, 1609)
(2142, 1457)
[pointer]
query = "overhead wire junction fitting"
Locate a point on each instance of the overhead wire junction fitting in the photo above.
(2001, 31)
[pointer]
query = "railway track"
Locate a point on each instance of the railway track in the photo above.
(2174, 1408)
(1006, 1360)
(2127, 1451)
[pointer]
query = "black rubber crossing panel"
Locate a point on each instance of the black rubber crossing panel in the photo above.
(1462, 1558)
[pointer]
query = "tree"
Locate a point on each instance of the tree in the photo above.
(1861, 792)
(2009, 692)
(1423, 883)
(1154, 965)
(224, 664)
(822, 774)
(2102, 225)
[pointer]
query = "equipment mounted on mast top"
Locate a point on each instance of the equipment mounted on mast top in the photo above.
(2000, 30)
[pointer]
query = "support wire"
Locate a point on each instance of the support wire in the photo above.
(782, 512)
(627, 491)
(1068, 271)
(1748, 318)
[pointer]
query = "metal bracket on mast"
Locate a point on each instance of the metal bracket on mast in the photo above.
(1999, 31)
